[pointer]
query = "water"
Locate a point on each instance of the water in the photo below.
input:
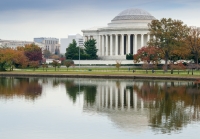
(53, 108)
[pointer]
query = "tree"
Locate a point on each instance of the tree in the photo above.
(118, 64)
(6, 58)
(68, 63)
(62, 59)
(20, 59)
(11, 57)
(34, 64)
(46, 53)
(33, 52)
(149, 54)
(168, 35)
(45, 65)
(193, 43)
(90, 48)
(129, 56)
(55, 64)
(72, 51)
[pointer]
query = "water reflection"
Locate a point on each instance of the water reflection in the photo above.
(130, 104)
(74, 88)
(20, 87)
(164, 106)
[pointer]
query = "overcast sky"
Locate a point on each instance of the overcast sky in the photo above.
(26, 19)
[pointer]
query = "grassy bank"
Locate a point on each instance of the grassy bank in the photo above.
(107, 71)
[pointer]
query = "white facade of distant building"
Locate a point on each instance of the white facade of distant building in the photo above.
(14, 43)
(51, 44)
(64, 42)
(126, 33)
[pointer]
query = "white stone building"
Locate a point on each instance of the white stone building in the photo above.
(64, 42)
(14, 43)
(51, 44)
(126, 33)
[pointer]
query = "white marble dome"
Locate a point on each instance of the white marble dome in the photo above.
(134, 14)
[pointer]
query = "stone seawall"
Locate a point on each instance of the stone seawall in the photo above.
(101, 76)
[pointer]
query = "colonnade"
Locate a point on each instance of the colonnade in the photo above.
(112, 97)
(119, 44)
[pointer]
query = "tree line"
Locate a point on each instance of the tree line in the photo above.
(88, 52)
(21, 57)
(171, 40)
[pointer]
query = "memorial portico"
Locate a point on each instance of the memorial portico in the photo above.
(126, 33)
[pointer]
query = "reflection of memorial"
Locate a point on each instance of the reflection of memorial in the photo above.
(132, 105)
(120, 103)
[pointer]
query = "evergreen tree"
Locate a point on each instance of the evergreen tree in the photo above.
(90, 49)
(72, 51)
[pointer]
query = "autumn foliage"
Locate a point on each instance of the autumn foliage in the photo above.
(147, 54)
(20, 57)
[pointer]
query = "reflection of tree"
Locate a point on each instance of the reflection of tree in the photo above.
(170, 106)
(73, 90)
(90, 94)
(10, 87)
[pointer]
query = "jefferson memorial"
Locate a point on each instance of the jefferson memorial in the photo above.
(126, 33)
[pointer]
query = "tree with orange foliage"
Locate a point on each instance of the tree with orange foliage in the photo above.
(34, 64)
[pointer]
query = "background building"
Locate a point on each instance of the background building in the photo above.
(126, 33)
(13, 43)
(51, 44)
(66, 41)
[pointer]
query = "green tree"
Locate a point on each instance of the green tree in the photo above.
(90, 49)
(129, 56)
(72, 51)
(168, 35)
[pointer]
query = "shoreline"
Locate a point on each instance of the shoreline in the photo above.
(121, 76)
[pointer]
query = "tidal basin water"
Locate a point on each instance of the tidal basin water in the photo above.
(61, 108)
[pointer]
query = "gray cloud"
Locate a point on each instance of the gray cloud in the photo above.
(26, 19)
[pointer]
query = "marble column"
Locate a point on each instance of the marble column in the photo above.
(102, 46)
(116, 44)
(122, 45)
(135, 43)
(106, 45)
(111, 45)
(129, 44)
(99, 47)
(142, 40)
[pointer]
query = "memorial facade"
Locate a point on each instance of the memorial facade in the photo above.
(126, 33)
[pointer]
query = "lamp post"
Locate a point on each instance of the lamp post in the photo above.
(79, 57)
